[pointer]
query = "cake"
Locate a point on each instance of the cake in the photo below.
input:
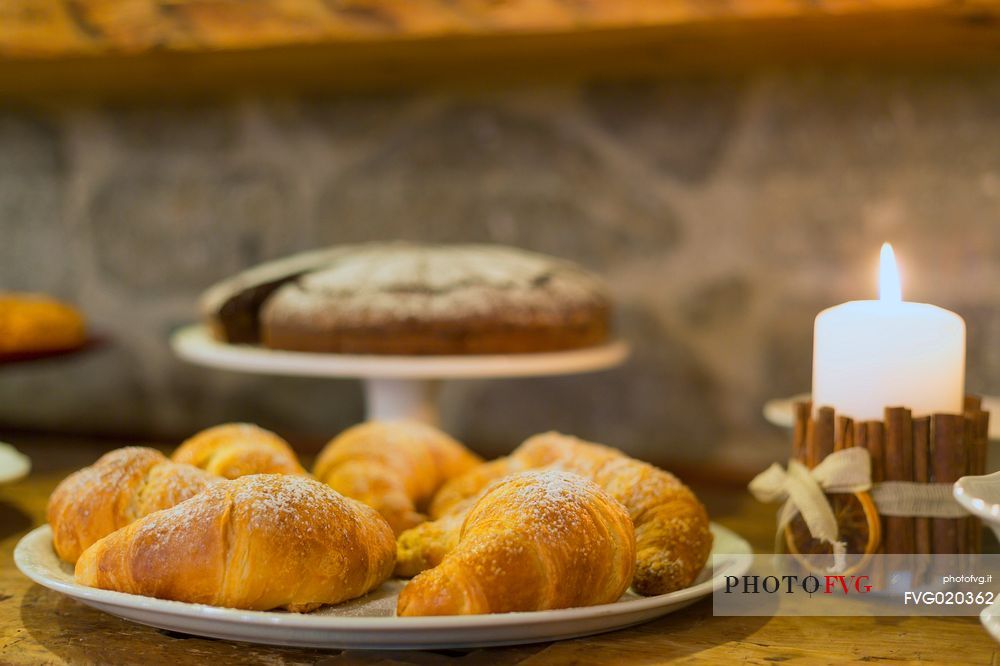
(410, 299)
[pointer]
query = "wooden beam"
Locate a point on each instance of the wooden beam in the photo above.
(68, 28)
(129, 48)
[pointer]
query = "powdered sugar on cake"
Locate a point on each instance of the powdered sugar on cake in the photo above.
(395, 282)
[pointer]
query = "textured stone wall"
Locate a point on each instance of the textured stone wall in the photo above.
(725, 213)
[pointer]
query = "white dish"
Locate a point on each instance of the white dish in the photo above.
(990, 617)
(980, 496)
(14, 465)
(781, 411)
(369, 623)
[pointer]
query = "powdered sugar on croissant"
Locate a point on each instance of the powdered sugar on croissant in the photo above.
(121, 487)
(258, 542)
(533, 541)
(673, 540)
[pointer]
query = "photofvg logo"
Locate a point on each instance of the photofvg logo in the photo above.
(792, 584)
(767, 585)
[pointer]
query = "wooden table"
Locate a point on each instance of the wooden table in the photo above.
(38, 626)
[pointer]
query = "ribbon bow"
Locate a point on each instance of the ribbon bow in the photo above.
(802, 489)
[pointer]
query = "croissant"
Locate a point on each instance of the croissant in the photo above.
(394, 467)
(425, 546)
(533, 541)
(673, 540)
(233, 450)
(463, 490)
(258, 542)
(122, 486)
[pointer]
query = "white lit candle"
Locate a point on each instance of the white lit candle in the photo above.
(869, 355)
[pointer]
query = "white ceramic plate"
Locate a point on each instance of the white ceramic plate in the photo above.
(14, 465)
(781, 412)
(980, 496)
(195, 344)
(369, 623)
(990, 617)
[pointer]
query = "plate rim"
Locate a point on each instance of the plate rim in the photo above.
(988, 618)
(975, 504)
(194, 344)
(304, 621)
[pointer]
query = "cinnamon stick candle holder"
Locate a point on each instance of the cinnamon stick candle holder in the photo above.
(936, 449)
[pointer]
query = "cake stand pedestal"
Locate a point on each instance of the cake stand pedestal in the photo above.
(396, 387)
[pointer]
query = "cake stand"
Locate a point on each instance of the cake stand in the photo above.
(396, 387)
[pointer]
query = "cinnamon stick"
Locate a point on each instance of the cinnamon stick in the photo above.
(970, 439)
(898, 467)
(982, 440)
(873, 441)
(980, 444)
(948, 462)
(843, 437)
(869, 434)
(922, 474)
(803, 412)
(821, 440)
(861, 434)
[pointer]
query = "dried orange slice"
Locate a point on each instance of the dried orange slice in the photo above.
(858, 525)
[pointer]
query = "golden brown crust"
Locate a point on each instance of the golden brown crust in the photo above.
(672, 529)
(673, 540)
(394, 467)
(121, 487)
(36, 323)
(258, 542)
(233, 450)
(466, 487)
(533, 541)
(425, 546)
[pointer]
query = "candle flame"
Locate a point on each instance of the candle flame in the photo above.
(889, 288)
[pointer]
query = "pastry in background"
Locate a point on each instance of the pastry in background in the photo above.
(533, 541)
(394, 467)
(259, 542)
(121, 487)
(459, 492)
(410, 299)
(32, 323)
(673, 540)
(535, 452)
(233, 450)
